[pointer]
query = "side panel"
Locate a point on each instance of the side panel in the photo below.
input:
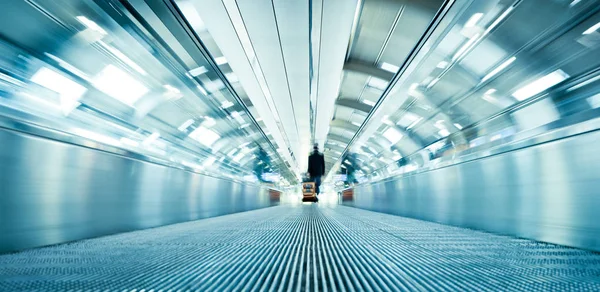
(548, 192)
(53, 192)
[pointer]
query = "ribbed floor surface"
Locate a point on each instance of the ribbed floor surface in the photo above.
(306, 247)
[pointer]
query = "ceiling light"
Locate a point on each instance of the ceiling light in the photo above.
(237, 117)
(198, 71)
(62, 63)
(444, 132)
(442, 65)
(392, 135)
(232, 152)
(153, 137)
(220, 60)
(458, 126)
(465, 47)
(473, 20)
(191, 15)
(386, 120)
(575, 2)
(354, 123)
(208, 122)
(584, 83)
(592, 29)
(407, 118)
(202, 90)
(414, 123)
(498, 69)
(389, 67)
(433, 82)
(115, 52)
(185, 125)
(172, 92)
(91, 25)
(204, 136)
(231, 77)
(499, 19)
(96, 137)
(377, 83)
(127, 141)
(368, 102)
(439, 124)
(209, 161)
(490, 91)
(540, 85)
(226, 104)
(238, 157)
(120, 85)
(214, 85)
(68, 90)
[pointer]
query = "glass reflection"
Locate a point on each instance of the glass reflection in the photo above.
(99, 74)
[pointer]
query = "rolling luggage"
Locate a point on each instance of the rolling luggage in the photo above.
(309, 192)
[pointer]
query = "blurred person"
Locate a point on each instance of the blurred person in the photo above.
(316, 167)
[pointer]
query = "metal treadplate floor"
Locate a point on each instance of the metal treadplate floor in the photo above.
(298, 248)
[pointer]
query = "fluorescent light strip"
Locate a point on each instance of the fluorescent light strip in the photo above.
(414, 123)
(120, 85)
(498, 69)
(226, 104)
(540, 85)
(584, 83)
(465, 47)
(237, 117)
(575, 2)
(198, 71)
(490, 91)
(592, 29)
(96, 137)
(69, 67)
(433, 82)
(209, 161)
(209, 122)
(204, 136)
(221, 60)
(473, 20)
(368, 102)
(478, 36)
(127, 141)
(185, 125)
(386, 120)
(377, 83)
(389, 67)
(151, 138)
(392, 135)
(91, 25)
(202, 90)
(499, 19)
(123, 58)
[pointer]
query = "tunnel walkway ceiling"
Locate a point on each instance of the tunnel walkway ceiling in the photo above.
(242, 88)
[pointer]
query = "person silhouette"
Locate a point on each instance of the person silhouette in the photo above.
(316, 167)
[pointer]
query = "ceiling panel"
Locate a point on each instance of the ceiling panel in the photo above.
(262, 27)
(338, 16)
